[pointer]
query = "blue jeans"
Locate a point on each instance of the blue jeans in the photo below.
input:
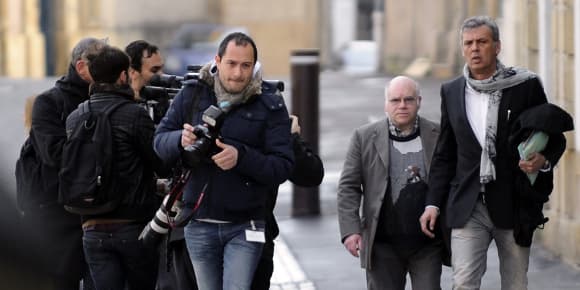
(469, 259)
(116, 257)
(222, 258)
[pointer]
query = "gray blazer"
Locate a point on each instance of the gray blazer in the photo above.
(365, 172)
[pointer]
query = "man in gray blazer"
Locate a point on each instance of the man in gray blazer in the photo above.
(387, 162)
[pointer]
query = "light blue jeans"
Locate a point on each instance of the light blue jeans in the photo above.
(222, 258)
(469, 247)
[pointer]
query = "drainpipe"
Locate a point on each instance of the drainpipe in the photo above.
(577, 72)
(545, 44)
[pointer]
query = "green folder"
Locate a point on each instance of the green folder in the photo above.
(535, 143)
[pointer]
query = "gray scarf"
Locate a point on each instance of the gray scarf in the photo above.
(225, 100)
(503, 78)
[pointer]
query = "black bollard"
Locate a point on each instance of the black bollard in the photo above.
(305, 69)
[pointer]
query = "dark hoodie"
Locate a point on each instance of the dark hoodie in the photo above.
(48, 135)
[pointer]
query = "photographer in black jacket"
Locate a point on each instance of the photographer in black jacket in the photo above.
(114, 254)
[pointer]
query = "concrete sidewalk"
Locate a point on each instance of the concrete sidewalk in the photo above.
(309, 254)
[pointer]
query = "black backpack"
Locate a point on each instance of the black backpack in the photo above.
(33, 181)
(28, 172)
(87, 184)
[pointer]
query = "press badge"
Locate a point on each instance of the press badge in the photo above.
(255, 235)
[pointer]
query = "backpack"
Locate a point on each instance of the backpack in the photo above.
(28, 172)
(87, 184)
(33, 182)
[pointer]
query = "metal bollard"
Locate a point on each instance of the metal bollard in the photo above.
(305, 70)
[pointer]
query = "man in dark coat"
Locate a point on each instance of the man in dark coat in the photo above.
(473, 167)
(59, 231)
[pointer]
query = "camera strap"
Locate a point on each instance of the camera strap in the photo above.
(179, 184)
(177, 219)
(177, 189)
(194, 109)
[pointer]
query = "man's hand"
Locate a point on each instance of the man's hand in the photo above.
(227, 158)
(295, 126)
(534, 163)
(427, 220)
(353, 244)
(187, 136)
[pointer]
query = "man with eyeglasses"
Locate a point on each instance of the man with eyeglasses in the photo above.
(387, 163)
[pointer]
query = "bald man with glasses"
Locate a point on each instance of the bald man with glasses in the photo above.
(387, 162)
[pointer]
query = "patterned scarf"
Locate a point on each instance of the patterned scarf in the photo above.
(394, 131)
(226, 101)
(503, 78)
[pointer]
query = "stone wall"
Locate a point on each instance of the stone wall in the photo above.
(21, 43)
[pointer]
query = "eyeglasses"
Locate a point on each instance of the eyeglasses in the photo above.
(407, 100)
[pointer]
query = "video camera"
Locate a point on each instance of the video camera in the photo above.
(171, 84)
(162, 88)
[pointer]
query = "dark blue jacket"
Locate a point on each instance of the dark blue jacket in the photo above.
(260, 131)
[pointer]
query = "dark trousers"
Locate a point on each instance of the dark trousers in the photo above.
(182, 269)
(58, 236)
(265, 267)
(117, 258)
(175, 269)
(165, 277)
(390, 267)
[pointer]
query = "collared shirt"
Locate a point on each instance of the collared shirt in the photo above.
(476, 109)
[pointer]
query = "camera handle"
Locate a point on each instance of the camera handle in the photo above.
(175, 195)
(177, 190)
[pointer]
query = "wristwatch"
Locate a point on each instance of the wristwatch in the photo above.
(547, 166)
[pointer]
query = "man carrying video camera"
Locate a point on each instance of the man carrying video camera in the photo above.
(146, 61)
(146, 65)
(233, 164)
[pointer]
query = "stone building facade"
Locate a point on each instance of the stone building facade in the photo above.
(33, 32)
